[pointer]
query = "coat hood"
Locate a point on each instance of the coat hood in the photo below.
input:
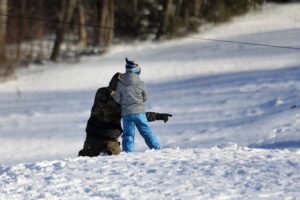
(114, 81)
(131, 79)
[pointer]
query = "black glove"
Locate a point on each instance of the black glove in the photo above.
(163, 116)
(151, 116)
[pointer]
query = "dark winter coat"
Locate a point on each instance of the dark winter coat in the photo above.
(105, 116)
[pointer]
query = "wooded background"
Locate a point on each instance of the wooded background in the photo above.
(34, 31)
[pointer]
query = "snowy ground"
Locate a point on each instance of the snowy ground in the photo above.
(219, 94)
(218, 173)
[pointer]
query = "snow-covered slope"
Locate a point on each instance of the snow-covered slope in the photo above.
(218, 93)
(219, 173)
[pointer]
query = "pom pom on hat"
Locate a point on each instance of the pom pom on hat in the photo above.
(132, 67)
(130, 64)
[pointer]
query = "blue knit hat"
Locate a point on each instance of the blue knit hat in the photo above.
(132, 67)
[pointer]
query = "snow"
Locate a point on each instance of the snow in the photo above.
(234, 134)
(230, 172)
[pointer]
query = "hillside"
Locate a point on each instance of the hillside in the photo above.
(234, 132)
(227, 172)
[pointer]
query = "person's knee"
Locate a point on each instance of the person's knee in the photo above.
(145, 131)
(113, 148)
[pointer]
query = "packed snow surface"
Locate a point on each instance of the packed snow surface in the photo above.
(228, 172)
(234, 134)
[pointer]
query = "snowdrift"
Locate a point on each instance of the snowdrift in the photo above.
(225, 172)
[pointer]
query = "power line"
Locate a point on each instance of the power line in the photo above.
(245, 43)
(148, 32)
(55, 21)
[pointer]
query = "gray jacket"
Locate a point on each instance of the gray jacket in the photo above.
(131, 94)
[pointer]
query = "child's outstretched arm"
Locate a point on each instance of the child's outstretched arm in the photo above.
(152, 116)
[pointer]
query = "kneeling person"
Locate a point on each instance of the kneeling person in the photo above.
(104, 125)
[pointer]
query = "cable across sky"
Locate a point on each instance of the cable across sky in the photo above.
(176, 34)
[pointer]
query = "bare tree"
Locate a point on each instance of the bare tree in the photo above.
(191, 13)
(67, 11)
(21, 31)
(106, 14)
(82, 28)
(165, 23)
(135, 19)
(3, 11)
(197, 7)
(178, 7)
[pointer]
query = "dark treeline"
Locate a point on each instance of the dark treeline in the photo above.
(34, 31)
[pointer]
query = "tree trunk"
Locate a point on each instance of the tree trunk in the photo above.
(166, 18)
(178, 7)
(82, 28)
(106, 23)
(21, 31)
(40, 25)
(186, 12)
(134, 5)
(197, 7)
(3, 10)
(66, 13)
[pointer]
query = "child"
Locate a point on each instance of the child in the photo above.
(131, 95)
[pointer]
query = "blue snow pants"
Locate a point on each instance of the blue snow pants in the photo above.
(140, 121)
